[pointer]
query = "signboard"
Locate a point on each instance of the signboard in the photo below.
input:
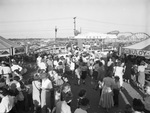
(136, 52)
(5, 52)
(19, 50)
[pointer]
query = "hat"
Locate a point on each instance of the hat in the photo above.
(42, 73)
(142, 63)
(36, 76)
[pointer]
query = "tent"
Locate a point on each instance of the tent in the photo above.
(93, 35)
(138, 49)
(7, 47)
(83, 38)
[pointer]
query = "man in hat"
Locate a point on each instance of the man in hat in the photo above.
(36, 85)
(46, 88)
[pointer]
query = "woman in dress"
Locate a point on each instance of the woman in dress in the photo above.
(147, 100)
(106, 99)
(127, 73)
(84, 69)
(110, 65)
(141, 71)
(78, 74)
(119, 71)
(36, 85)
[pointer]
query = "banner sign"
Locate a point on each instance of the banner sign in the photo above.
(4, 52)
(136, 52)
(19, 50)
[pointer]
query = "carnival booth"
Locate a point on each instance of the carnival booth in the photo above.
(8, 48)
(139, 49)
(93, 38)
(5, 49)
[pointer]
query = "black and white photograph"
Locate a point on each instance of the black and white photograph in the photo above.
(74, 56)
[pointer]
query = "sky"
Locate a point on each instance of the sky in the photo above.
(38, 18)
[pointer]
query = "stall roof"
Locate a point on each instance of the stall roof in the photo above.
(144, 45)
(5, 43)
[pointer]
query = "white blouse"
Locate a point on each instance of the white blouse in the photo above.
(141, 68)
(46, 84)
(6, 104)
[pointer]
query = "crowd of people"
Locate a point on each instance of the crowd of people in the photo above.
(49, 90)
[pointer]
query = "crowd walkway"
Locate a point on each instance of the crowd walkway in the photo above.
(126, 95)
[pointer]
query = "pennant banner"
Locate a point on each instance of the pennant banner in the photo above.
(19, 50)
(5, 52)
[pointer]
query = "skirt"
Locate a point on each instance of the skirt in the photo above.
(106, 99)
(141, 78)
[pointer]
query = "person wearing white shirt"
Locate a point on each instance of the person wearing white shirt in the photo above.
(61, 105)
(42, 65)
(55, 63)
(38, 60)
(46, 92)
(78, 74)
(7, 102)
(110, 62)
(36, 85)
(119, 71)
(141, 70)
(146, 100)
(0, 70)
(16, 67)
(103, 61)
(5, 69)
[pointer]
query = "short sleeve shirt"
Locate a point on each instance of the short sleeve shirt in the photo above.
(47, 84)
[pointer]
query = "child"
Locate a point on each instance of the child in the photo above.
(83, 106)
(82, 94)
(116, 91)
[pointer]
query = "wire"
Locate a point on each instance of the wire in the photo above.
(27, 31)
(102, 22)
(36, 20)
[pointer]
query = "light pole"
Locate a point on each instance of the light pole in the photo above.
(74, 24)
(55, 32)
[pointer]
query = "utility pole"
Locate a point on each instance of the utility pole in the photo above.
(55, 32)
(74, 24)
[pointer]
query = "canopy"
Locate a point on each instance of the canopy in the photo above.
(139, 49)
(7, 47)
